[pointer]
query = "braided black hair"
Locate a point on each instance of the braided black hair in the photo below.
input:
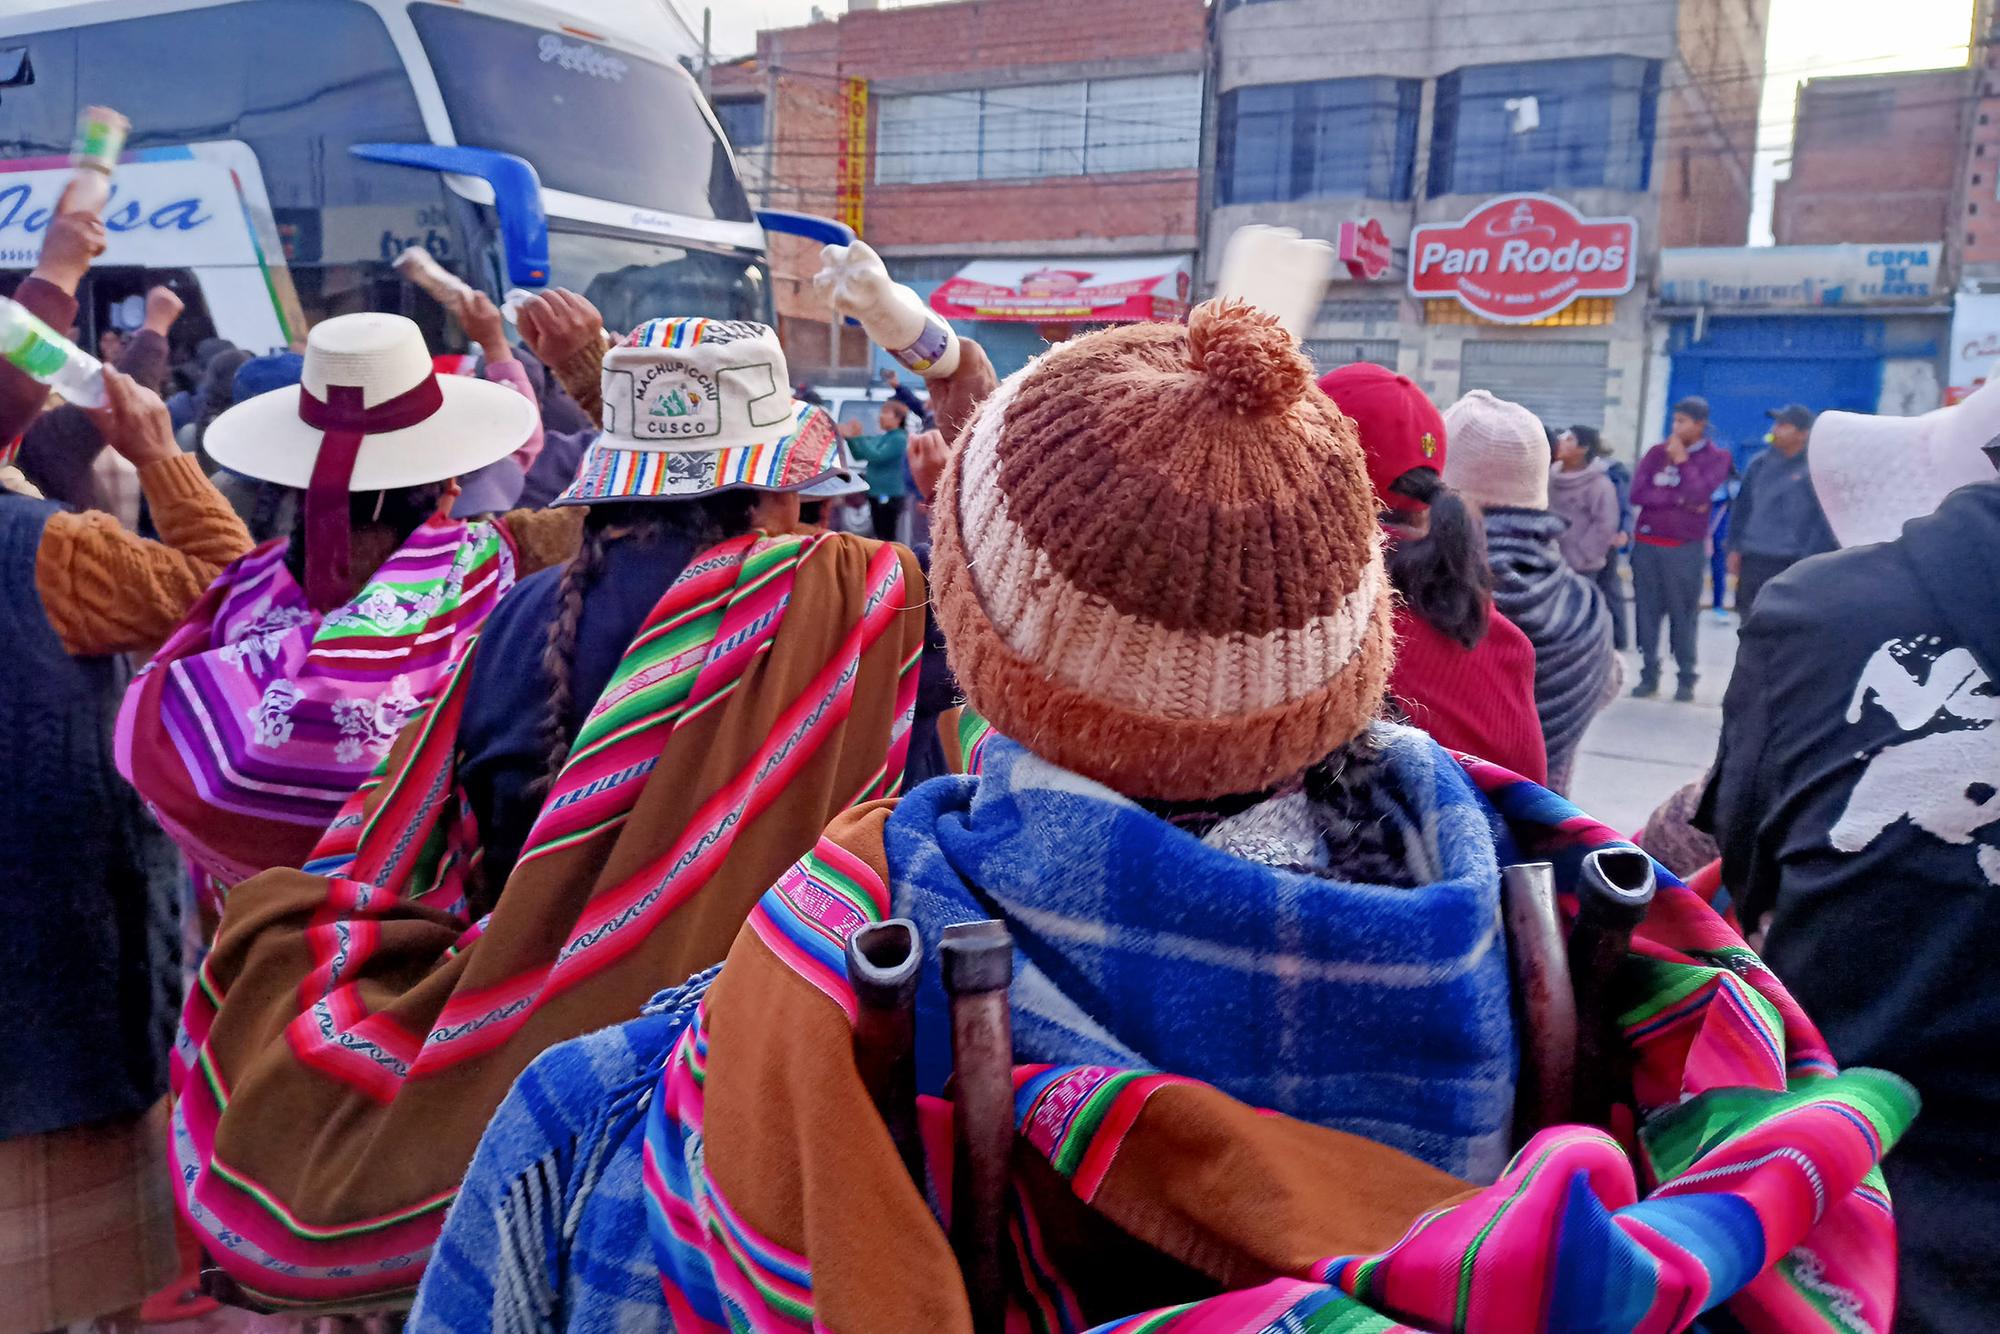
(706, 521)
(1443, 575)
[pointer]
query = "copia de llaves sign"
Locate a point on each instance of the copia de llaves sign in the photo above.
(1522, 258)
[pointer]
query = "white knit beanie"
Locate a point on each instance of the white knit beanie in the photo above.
(1499, 454)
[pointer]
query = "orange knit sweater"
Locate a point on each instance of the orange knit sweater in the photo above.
(108, 590)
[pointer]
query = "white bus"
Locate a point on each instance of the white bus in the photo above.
(283, 152)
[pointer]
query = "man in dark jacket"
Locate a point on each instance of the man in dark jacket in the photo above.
(1857, 802)
(1672, 492)
(1776, 520)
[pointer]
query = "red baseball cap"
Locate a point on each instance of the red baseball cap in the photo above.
(1400, 427)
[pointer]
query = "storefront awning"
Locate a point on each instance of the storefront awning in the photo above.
(1059, 291)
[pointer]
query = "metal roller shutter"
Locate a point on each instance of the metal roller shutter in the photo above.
(1331, 353)
(1564, 383)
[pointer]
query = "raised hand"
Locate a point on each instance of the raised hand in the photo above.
(134, 421)
(928, 453)
(163, 307)
(74, 239)
(480, 318)
(557, 324)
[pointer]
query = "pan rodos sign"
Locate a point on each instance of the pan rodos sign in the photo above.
(1523, 258)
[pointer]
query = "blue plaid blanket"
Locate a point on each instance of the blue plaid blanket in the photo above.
(549, 1230)
(1378, 1010)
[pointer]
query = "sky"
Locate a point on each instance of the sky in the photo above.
(1808, 37)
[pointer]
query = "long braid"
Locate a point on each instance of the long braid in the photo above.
(559, 653)
(706, 522)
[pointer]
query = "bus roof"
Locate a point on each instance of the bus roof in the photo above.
(651, 28)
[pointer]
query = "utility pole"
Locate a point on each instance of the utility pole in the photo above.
(707, 46)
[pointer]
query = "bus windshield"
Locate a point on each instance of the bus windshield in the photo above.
(595, 121)
(631, 281)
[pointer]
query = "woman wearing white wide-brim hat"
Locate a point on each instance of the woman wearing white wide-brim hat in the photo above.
(285, 685)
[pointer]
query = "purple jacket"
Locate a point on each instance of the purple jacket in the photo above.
(1673, 503)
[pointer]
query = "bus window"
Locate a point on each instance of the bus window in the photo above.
(632, 281)
(593, 120)
(297, 80)
(115, 286)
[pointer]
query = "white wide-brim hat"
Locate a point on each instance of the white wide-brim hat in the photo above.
(1874, 474)
(693, 407)
(470, 423)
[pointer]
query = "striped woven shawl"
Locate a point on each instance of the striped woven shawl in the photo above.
(259, 718)
(351, 1033)
(1146, 1201)
(1564, 617)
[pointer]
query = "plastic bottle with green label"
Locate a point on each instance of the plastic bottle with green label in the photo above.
(39, 352)
(100, 139)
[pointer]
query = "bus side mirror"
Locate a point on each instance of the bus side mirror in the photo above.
(517, 197)
(809, 225)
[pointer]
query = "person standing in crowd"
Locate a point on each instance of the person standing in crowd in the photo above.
(1500, 461)
(636, 748)
(1582, 493)
(1854, 797)
(883, 454)
(88, 1003)
(1463, 672)
(1777, 521)
(288, 681)
(1611, 579)
(1722, 510)
(1259, 1002)
(1673, 492)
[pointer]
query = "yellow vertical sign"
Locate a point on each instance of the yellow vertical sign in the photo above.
(853, 182)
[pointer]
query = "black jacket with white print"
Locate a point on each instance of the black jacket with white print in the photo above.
(1857, 801)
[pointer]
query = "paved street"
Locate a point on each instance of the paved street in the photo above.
(1638, 751)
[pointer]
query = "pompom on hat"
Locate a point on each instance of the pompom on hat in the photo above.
(1157, 561)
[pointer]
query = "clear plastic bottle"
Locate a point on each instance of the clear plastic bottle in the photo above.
(100, 138)
(36, 350)
(856, 283)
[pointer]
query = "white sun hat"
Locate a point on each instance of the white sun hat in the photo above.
(370, 414)
(1874, 474)
(416, 426)
(693, 407)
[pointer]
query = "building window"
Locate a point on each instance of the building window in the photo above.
(1589, 312)
(1354, 138)
(742, 122)
(1546, 125)
(1086, 128)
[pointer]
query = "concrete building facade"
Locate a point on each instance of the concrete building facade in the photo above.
(1413, 112)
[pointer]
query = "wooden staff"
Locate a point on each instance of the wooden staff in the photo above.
(978, 964)
(1612, 895)
(1544, 1002)
(882, 963)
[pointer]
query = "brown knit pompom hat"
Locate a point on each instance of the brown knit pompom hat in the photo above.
(1157, 561)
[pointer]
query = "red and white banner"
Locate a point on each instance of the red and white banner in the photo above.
(1112, 291)
(1522, 258)
(1365, 249)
